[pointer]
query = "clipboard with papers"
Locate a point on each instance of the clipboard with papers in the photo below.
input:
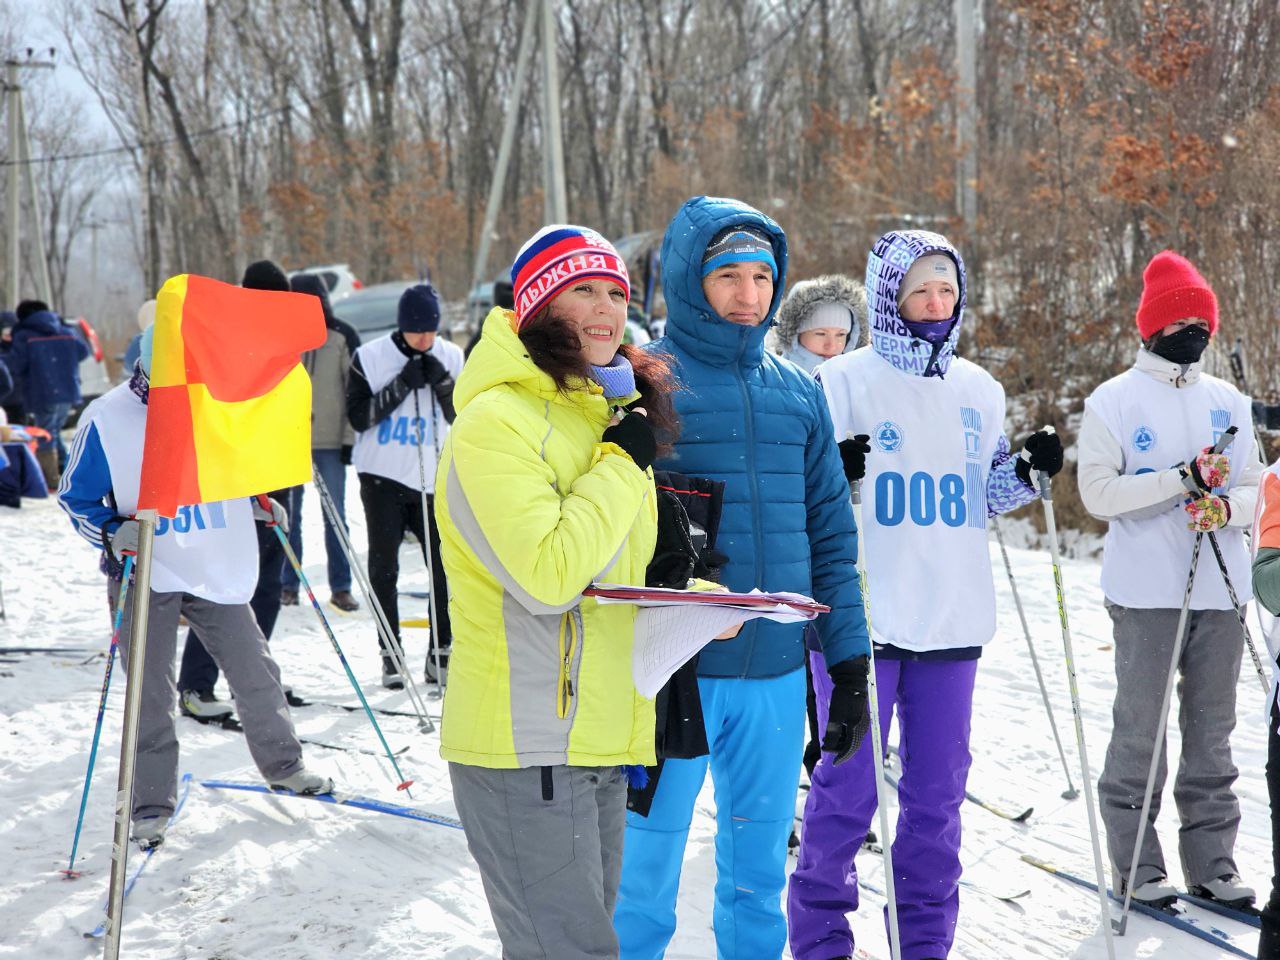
(673, 625)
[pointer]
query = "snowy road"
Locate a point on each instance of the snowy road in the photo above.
(244, 876)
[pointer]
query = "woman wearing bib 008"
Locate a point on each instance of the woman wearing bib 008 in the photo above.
(938, 466)
(545, 485)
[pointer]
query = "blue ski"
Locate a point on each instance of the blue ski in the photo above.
(101, 928)
(1218, 938)
(1246, 915)
(343, 800)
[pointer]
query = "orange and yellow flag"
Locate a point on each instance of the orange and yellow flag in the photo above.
(229, 407)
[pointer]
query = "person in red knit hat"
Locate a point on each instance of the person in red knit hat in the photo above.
(1166, 410)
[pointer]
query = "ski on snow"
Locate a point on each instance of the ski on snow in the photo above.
(1249, 915)
(101, 929)
(343, 800)
(229, 722)
(1004, 814)
(1218, 938)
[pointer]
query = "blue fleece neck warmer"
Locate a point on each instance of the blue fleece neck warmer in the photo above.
(616, 377)
(804, 358)
(934, 331)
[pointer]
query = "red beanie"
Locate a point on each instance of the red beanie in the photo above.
(1172, 290)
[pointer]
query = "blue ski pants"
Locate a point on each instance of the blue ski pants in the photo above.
(755, 728)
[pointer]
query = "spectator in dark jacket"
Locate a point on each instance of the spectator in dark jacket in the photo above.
(45, 356)
(331, 441)
(13, 402)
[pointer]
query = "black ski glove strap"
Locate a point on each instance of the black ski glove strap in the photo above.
(634, 435)
(848, 718)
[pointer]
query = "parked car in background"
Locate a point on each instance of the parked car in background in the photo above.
(372, 310)
(338, 279)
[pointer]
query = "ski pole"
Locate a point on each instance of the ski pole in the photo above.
(404, 784)
(1158, 744)
(433, 626)
(1071, 792)
(1194, 491)
(389, 641)
(1051, 529)
(71, 873)
(877, 744)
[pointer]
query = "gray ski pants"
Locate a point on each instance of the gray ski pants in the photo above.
(550, 866)
(231, 635)
(1207, 808)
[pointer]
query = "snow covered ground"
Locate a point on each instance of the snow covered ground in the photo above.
(245, 876)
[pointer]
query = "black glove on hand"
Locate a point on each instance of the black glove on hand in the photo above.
(853, 454)
(1042, 451)
(674, 554)
(634, 435)
(847, 718)
(414, 374)
(433, 370)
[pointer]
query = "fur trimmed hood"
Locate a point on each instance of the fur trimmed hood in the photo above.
(808, 294)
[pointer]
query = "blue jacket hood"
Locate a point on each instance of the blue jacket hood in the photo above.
(42, 323)
(691, 323)
(887, 265)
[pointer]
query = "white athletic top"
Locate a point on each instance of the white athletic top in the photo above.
(1147, 553)
(390, 448)
(209, 550)
(924, 497)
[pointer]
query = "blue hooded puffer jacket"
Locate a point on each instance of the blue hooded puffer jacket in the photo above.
(45, 358)
(761, 425)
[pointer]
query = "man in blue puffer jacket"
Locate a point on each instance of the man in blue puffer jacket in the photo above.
(45, 357)
(759, 424)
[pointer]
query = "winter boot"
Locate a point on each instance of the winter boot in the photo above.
(305, 784)
(344, 601)
(202, 705)
(148, 832)
(48, 460)
(1228, 889)
(1158, 893)
(391, 678)
(429, 675)
(288, 597)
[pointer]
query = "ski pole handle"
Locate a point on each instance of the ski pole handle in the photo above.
(855, 492)
(1224, 441)
(265, 503)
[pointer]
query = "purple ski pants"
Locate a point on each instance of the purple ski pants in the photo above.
(934, 700)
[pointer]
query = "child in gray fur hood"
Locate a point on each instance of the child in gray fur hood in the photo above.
(820, 319)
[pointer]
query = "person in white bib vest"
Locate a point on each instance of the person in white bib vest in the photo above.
(400, 402)
(927, 432)
(204, 568)
(1142, 432)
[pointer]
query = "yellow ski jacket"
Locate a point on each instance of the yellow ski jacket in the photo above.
(531, 508)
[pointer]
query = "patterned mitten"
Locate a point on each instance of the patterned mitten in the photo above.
(1208, 513)
(1211, 470)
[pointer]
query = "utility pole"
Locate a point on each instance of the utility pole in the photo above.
(966, 116)
(19, 157)
(556, 203)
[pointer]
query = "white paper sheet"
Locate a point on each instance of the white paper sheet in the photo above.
(668, 635)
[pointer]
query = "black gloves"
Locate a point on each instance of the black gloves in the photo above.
(853, 455)
(634, 435)
(345, 455)
(1042, 452)
(674, 553)
(422, 370)
(847, 718)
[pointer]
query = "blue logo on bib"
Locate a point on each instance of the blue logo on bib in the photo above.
(888, 435)
(1144, 438)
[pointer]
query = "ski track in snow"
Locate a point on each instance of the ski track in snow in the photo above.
(245, 876)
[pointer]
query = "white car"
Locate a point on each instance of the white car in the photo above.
(338, 279)
(94, 381)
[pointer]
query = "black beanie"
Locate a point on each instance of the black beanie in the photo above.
(419, 310)
(313, 285)
(27, 307)
(265, 275)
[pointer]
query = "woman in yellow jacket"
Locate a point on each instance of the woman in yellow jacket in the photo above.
(545, 485)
